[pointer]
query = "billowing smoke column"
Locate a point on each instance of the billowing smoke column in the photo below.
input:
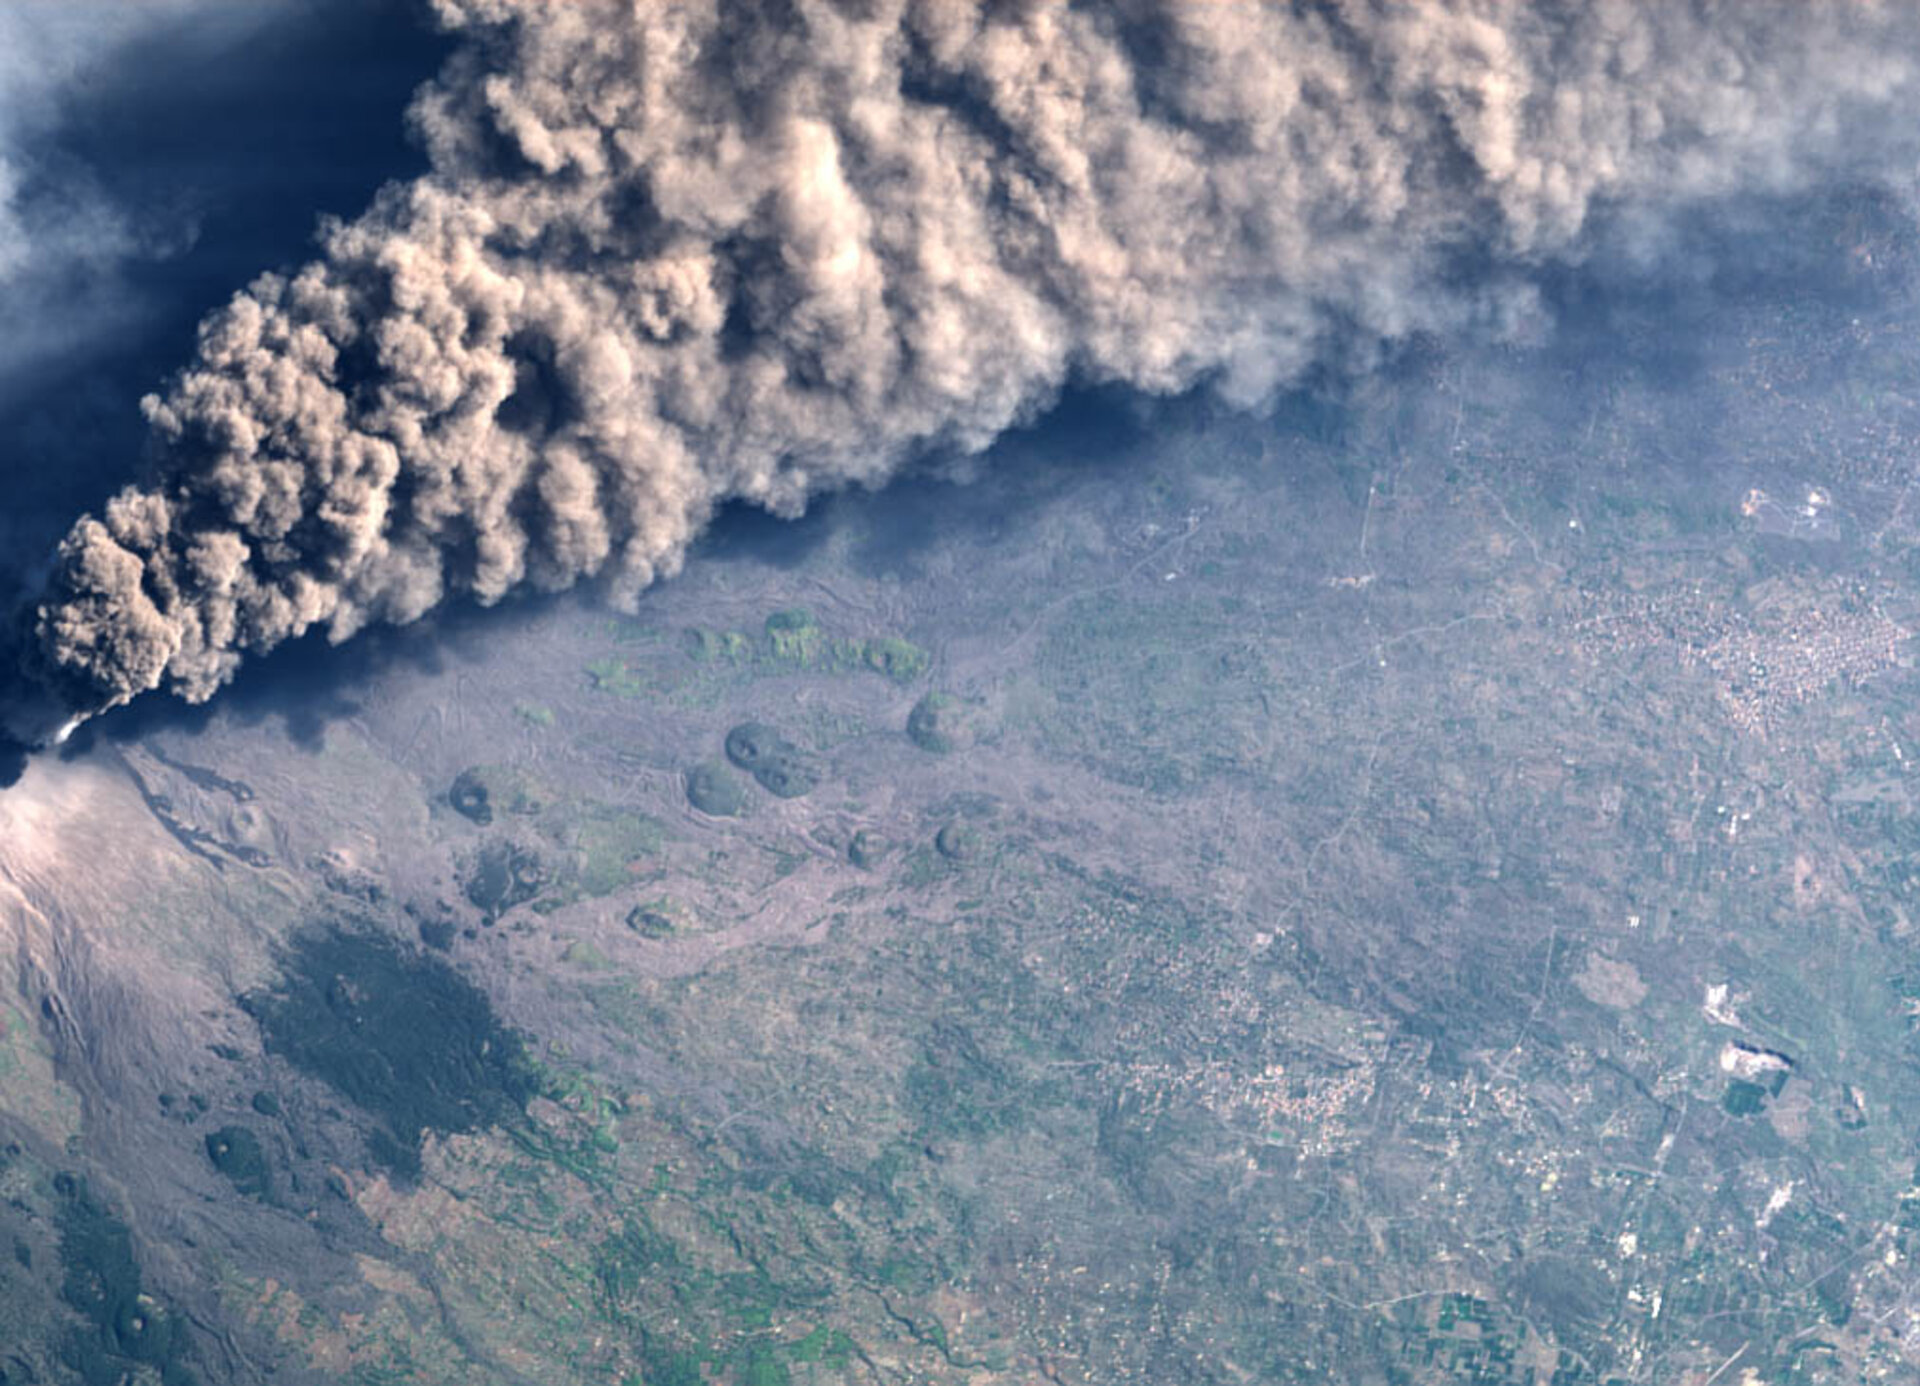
(673, 254)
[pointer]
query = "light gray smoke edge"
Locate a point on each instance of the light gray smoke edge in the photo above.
(670, 256)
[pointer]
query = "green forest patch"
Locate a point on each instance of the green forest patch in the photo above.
(794, 641)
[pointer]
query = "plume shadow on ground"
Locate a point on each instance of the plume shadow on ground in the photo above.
(1086, 432)
(746, 532)
(942, 496)
(1829, 255)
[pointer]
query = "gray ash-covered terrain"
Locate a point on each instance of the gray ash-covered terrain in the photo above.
(1420, 888)
(918, 692)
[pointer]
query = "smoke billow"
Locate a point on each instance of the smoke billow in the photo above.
(674, 255)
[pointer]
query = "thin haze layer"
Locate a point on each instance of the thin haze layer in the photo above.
(670, 256)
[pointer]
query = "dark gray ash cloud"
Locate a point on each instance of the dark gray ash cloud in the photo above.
(673, 256)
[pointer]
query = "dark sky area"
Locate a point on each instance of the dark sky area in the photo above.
(221, 150)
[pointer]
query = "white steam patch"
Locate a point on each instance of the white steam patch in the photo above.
(672, 255)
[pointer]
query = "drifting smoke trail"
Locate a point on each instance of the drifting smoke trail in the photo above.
(672, 255)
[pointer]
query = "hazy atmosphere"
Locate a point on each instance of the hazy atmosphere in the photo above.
(931, 691)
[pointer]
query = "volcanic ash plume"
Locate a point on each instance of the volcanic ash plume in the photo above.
(674, 254)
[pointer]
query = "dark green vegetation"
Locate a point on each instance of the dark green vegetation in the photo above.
(716, 790)
(236, 1153)
(123, 1328)
(401, 1035)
